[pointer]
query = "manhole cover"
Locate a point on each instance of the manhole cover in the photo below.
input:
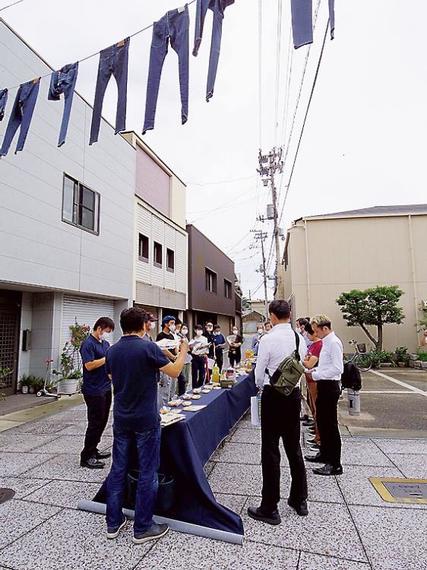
(6, 495)
(399, 490)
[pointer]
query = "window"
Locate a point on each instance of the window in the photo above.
(143, 248)
(211, 281)
(80, 206)
(227, 289)
(158, 255)
(170, 260)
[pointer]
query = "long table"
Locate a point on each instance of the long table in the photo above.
(185, 449)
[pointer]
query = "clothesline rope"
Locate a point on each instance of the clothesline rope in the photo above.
(40, 77)
(10, 5)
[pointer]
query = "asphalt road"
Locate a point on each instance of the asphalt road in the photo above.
(388, 408)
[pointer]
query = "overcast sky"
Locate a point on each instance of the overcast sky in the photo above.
(364, 143)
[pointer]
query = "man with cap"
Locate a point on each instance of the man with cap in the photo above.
(149, 326)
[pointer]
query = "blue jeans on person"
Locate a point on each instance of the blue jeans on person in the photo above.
(112, 61)
(148, 450)
(64, 82)
(3, 101)
(217, 7)
(173, 27)
(22, 113)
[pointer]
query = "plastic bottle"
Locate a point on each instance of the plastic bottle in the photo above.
(215, 374)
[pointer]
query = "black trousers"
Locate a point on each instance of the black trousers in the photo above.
(98, 410)
(181, 384)
(328, 393)
(198, 371)
(219, 355)
(280, 420)
(234, 357)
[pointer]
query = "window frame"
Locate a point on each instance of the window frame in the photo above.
(228, 285)
(170, 268)
(155, 262)
(211, 277)
(78, 207)
(145, 259)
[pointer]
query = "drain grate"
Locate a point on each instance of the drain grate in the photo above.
(399, 490)
(6, 495)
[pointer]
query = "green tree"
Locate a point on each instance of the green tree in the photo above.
(377, 307)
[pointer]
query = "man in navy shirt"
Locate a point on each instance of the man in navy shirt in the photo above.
(96, 391)
(133, 366)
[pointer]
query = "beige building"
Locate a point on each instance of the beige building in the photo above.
(330, 254)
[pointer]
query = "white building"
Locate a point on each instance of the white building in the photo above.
(66, 223)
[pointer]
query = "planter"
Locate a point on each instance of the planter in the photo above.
(401, 364)
(386, 365)
(412, 364)
(413, 356)
(24, 389)
(424, 365)
(31, 389)
(418, 364)
(68, 386)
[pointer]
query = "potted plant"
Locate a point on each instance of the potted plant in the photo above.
(402, 356)
(25, 383)
(69, 373)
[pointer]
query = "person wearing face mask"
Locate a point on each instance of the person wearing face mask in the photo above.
(96, 390)
(220, 343)
(149, 327)
(256, 338)
(181, 378)
(187, 365)
(167, 385)
(235, 352)
(199, 349)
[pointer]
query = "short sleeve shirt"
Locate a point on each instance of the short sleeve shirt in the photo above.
(133, 365)
(95, 382)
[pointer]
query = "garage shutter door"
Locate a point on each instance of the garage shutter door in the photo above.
(84, 310)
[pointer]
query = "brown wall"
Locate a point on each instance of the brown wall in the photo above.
(202, 254)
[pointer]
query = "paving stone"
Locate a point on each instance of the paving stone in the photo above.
(246, 436)
(12, 464)
(309, 561)
(71, 444)
(64, 493)
(246, 480)
(328, 530)
(246, 453)
(11, 441)
(358, 490)
(21, 517)
(412, 466)
(393, 538)
(73, 540)
(67, 468)
(405, 446)
(233, 502)
(182, 552)
(22, 486)
(49, 426)
(79, 428)
(363, 452)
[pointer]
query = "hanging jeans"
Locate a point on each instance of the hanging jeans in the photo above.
(217, 7)
(112, 61)
(21, 115)
(3, 101)
(173, 27)
(64, 82)
(302, 21)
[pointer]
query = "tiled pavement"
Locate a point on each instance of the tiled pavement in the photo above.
(349, 527)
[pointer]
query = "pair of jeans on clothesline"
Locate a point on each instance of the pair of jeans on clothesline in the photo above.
(63, 82)
(302, 21)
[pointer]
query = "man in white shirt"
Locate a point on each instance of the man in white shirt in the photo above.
(280, 419)
(327, 375)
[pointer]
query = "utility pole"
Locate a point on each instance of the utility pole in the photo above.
(269, 165)
(261, 236)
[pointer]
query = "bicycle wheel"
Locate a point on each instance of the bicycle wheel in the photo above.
(363, 362)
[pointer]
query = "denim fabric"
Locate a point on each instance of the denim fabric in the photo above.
(217, 7)
(112, 61)
(64, 82)
(302, 21)
(3, 101)
(21, 115)
(148, 450)
(173, 27)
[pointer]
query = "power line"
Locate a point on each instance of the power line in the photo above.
(10, 5)
(92, 54)
(227, 181)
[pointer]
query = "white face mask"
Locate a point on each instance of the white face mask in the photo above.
(199, 333)
(152, 325)
(209, 329)
(235, 331)
(172, 328)
(104, 336)
(260, 331)
(184, 332)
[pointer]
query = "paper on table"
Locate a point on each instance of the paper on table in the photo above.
(193, 408)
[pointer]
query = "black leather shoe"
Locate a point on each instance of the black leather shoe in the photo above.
(308, 423)
(328, 470)
(92, 463)
(301, 508)
(102, 454)
(271, 518)
(315, 458)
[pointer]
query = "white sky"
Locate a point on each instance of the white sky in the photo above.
(364, 144)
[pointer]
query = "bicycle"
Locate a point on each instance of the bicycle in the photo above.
(360, 358)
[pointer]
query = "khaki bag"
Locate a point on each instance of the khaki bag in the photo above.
(289, 372)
